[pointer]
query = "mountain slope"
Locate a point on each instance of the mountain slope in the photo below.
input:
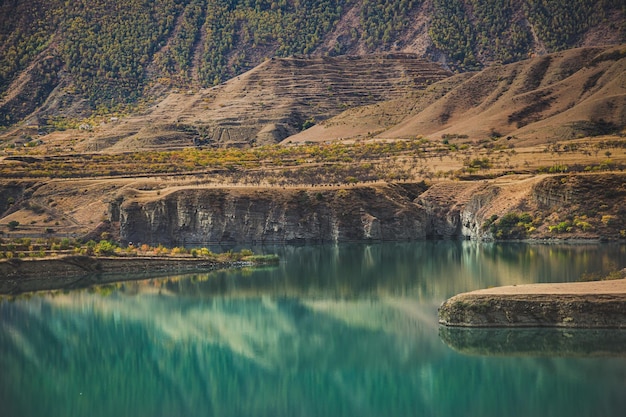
(565, 95)
(108, 55)
(561, 96)
(540, 98)
(269, 103)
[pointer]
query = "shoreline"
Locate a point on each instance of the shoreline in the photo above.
(27, 275)
(594, 304)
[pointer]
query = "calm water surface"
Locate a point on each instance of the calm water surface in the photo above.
(333, 331)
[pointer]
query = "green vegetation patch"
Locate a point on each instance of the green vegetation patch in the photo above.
(511, 226)
(52, 247)
(561, 23)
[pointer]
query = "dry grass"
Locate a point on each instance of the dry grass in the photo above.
(76, 206)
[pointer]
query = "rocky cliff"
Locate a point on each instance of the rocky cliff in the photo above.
(587, 206)
(188, 216)
(586, 311)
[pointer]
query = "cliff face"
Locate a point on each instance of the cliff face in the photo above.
(274, 216)
(456, 210)
(590, 207)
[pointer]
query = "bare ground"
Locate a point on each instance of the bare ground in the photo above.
(617, 286)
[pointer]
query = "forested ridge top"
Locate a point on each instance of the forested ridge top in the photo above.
(92, 54)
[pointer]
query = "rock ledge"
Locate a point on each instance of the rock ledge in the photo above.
(583, 305)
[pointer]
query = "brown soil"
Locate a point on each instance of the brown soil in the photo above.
(617, 286)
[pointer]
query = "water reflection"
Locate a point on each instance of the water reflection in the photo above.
(536, 341)
(332, 331)
(429, 270)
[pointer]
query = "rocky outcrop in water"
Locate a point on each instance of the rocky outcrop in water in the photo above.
(536, 310)
(598, 304)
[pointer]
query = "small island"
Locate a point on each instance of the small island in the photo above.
(598, 304)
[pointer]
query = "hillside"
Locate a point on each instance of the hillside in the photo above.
(273, 101)
(560, 96)
(63, 61)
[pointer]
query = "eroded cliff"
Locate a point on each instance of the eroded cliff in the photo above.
(587, 206)
(236, 215)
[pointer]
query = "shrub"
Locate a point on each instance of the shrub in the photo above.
(562, 227)
(479, 163)
(487, 224)
(308, 123)
(511, 226)
(246, 252)
(161, 250)
(608, 219)
(105, 248)
(179, 250)
(582, 223)
(558, 168)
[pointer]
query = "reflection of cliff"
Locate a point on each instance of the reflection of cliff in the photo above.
(426, 271)
(334, 330)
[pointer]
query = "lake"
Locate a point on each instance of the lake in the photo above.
(334, 330)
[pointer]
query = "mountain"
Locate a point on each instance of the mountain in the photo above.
(63, 61)
(495, 134)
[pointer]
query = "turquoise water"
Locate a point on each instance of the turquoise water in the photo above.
(347, 330)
